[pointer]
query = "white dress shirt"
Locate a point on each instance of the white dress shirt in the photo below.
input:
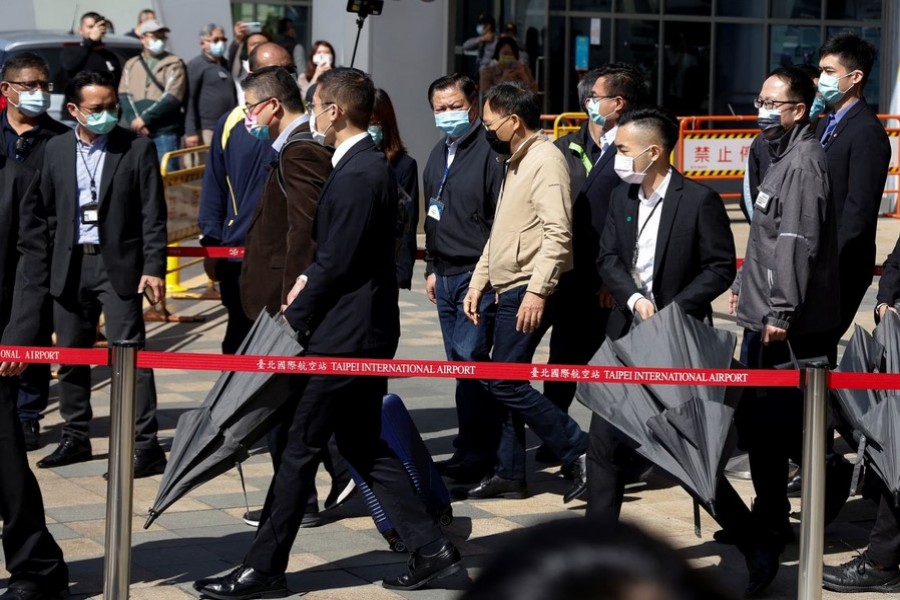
(648, 226)
(282, 139)
(341, 150)
(608, 140)
(89, 161)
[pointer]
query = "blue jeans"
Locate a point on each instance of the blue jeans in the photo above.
(524, 403)
(478, 414)
(166, 142)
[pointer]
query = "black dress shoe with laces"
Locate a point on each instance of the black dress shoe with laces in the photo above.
(147, 462)
(762, 565)
(579, 479)
(17, 593)
(861, 575)
(493, 487)
(423, 568)
(69, 452)
(243, 583)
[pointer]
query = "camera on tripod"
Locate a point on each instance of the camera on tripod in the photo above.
(365, 8)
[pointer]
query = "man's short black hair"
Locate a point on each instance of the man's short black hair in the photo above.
(85, 78)
(91, 15)
(24, 60)
(800, 87)
(622, 80)
(352, 90)
(461, 82)
(661, 121)
(275, 82)
(513, 98)
(811, 71)
(487, 20)
(853, 52)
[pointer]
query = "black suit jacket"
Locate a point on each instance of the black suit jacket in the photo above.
(889, 284)
(24, 270)
(349, 304)
(49, 128)
(695, 257)
(132, 210)
(858, 153)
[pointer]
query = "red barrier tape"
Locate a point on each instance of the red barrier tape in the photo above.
(864, 381)
(238, 252)
(65, 356)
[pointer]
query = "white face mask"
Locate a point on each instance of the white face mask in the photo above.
(318, 136)
(156, 46)
(624, 167)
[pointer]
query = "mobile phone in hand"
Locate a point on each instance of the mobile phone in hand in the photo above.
(150, 296)
(253, 27)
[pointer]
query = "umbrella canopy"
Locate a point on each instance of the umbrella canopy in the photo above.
(863, 355)
(887, 333)
(882, 424)
(235, 414)
(684, 430)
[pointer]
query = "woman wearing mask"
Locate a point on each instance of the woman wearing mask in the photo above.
(386, 135)
(506, 67)
(321, 59)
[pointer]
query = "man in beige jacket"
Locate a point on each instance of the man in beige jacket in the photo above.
(529, 247)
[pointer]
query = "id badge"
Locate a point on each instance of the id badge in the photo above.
(90, 214)
(435, 209)
(762, 201)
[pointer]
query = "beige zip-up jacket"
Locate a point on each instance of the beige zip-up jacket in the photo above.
(531, 240)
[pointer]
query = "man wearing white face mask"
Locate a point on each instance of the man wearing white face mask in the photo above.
(153, 89)
(462, 180)
(667, 239)
(210, 87)
(26, 130)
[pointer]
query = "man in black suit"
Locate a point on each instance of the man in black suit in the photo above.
(875, 570)
(26, 128)
(34, 560)
(666, 239)
(344, 304)
(107, 217)
(858, 152)
(583, 303)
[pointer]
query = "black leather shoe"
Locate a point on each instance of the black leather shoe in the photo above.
(579, 479)
(31, 431)
(465, 472)
(423, 568)
(69, 452)
(860, 575)
(23, 594)
(243, 584)
(147, 462)
(493, 487)
(762, 565)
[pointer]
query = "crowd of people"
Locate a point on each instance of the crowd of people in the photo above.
(589, 234)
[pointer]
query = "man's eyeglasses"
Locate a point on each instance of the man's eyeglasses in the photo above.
(33, 86)
(314, 108)
(495, 125)
(596, 97)
(248, 108)
(772, 104)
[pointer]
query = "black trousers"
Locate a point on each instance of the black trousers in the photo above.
(884, 539)
(76, 313)
(579, 328)
(32, 557)
(229, 274)
(349, 408)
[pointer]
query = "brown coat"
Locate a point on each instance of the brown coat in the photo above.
(279, 243)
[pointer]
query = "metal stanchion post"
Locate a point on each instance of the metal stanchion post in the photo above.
(812, 525)
(117, 559)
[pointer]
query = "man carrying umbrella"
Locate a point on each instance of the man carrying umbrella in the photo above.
(667, 240)
(785, 298)
(344, 304)
(875, 570)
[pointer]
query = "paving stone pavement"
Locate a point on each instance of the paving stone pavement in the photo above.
(203, 535)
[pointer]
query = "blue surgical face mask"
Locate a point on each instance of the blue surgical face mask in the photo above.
(100, 123)
(829, 87)
(376, 133)
(452, 123)
(217, 49)
(593, 111)
(479, 29)
(32, 104)
(255, 128)
(816, 109)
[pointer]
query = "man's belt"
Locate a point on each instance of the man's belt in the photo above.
(90, 248)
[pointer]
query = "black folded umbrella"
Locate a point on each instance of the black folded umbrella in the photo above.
(887, 333)
(882, 424)
(863, 355)
(682, 429)
(236, 413)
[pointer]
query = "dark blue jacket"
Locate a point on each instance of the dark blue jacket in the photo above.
(236, 170)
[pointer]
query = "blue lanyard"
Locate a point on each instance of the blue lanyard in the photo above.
(444, 178)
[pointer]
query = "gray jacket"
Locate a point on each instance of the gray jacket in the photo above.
(790, 274)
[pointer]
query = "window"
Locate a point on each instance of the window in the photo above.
(797, 9)
(740, 67)
(686, 68)
(793, 45)
(637, 42)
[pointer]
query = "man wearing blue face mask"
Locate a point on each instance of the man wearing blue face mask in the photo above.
(153, 89)
(26, 129)
(462, 180)
(107, 215)
(210, 87)
(858, 153)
